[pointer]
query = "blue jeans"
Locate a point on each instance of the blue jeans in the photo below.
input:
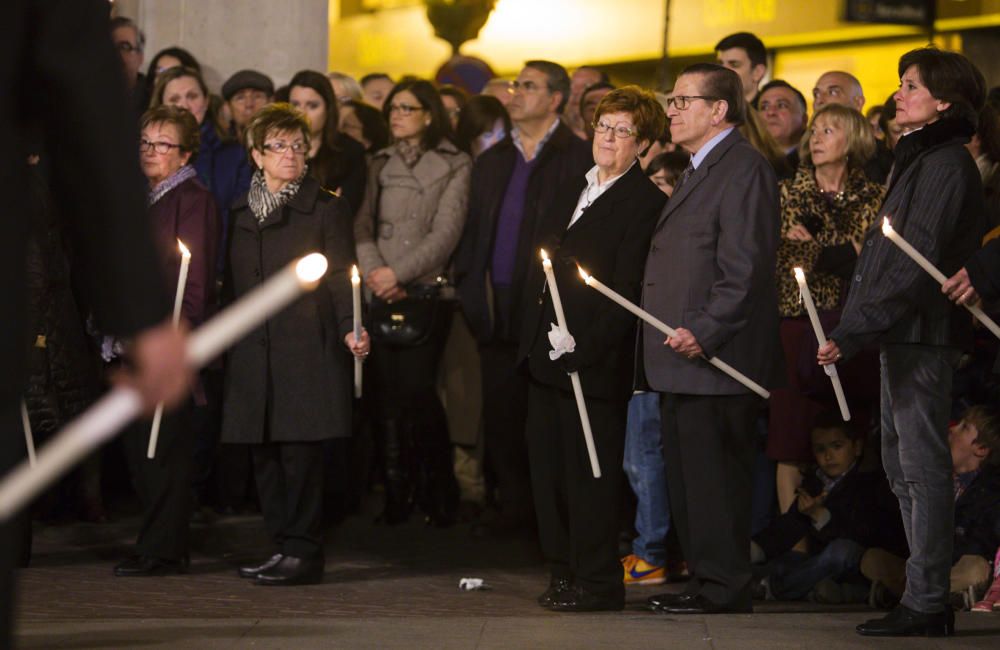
(794, 574)
(647, 475)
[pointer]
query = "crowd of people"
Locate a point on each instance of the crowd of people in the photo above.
(695, 202)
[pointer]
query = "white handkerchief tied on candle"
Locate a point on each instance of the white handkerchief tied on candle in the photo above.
(562, 342)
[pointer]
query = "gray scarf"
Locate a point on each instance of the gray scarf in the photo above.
(262, 202)
(169, 183)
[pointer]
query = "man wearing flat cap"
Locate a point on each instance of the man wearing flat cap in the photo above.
(246, 92)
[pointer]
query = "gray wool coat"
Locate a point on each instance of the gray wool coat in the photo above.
(411, 219)
(289, 380)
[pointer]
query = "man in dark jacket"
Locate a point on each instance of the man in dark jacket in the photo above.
(97, 184)
(513, 184)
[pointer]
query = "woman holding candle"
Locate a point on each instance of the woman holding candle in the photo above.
(603, 222)
(335, 160)
(288, 383)
(408, 226)
(935, 202)
(180, 208)
(825, 210)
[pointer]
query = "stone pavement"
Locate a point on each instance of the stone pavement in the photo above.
(384, 588)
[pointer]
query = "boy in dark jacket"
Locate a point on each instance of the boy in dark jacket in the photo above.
(841, 512)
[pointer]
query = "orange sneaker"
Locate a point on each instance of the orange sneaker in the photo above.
(640, 572)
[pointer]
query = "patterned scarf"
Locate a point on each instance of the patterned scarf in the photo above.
(410, 153)
(262, 202)
(836, 220)
(169, 183)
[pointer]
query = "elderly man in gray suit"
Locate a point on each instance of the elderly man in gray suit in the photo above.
(710, 274)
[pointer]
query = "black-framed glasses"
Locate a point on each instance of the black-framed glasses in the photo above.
(404, 109)
(127, 47)
(683, 101)
(159, 146)
(279, 147)
(620, 130)
(527, 86)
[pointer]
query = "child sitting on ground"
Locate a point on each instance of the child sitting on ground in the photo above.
(840, 512)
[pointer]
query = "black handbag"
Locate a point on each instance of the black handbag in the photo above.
(408, 322)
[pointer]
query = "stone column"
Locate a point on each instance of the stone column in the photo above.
(276, 38)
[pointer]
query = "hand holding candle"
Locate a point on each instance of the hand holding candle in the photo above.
(116, 409)
(356, 298)
(154, 432)
(831, 370)
(594, 283)
(935, 273)
(574, 377)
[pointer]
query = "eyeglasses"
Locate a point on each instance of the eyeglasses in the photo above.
(159, 147)
(683, 101)
(526, 86)
(404, 109)
(127, 47)
(454, 112)
(620, 130)
(297, 147)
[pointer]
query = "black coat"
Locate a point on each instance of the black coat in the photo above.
(862, 509)
(563, 159)
(96, 180)
(936, 204)
(289, 380)
(609, 241)
(977, 517)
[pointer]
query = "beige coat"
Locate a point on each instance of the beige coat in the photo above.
(420, 215)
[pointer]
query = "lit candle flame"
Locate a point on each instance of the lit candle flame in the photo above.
(583, 274)
(886, 226)
(354, 273)
(799, 274)
(184, 249)
(545, 256)
(311, 267)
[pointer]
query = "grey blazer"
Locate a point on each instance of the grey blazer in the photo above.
(711, 270)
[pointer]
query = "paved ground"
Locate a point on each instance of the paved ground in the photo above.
(384, 588)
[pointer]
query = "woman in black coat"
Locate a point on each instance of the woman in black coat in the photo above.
(935, 202)
(603, 222)
(288, 383)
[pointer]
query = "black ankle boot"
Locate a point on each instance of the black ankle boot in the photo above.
(395, 456)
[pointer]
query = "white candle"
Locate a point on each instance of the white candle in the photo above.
(574, 377)
(831, 369)
(154, 432)
(356, 297)
(116, 409)
(926, 265)
(671, 332)
(29, 439)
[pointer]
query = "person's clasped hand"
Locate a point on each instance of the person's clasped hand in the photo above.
(828, 353)
(157, 366)
(959, 289)
(360, 347)
(685, 343)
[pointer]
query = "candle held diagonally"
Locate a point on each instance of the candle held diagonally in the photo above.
(613, 295)
(831, 370)
(104, 419)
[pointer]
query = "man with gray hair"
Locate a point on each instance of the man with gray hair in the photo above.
(839, 87)
(130, 43)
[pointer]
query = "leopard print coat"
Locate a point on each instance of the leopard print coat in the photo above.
(840, 220)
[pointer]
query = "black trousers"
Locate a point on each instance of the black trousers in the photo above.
(577, 513)
(708, 448)
(289, 479)
(15, 533)
(505, 399)
(163, 483)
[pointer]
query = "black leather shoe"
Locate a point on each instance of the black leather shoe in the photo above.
(578, 599)
(292, 571)
(668, 600)
(903, 621)
(698, 604)
(557, 587)
(143, 565)
(251, 571)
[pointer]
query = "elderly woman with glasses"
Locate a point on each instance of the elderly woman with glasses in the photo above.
(181, 209)
(602, 222)
(288, 383)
